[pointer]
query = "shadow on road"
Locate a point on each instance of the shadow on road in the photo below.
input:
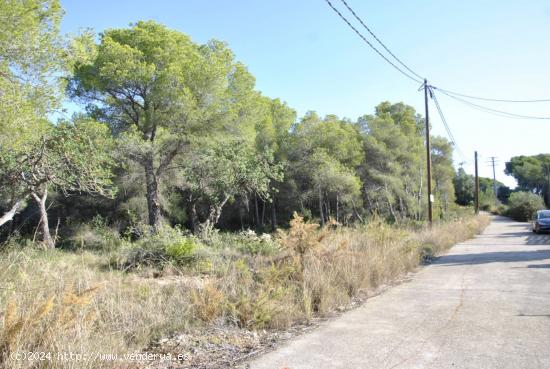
(520, 234)
(531, 238)
(493, 257)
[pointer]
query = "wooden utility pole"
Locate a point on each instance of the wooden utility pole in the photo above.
(477, 187)
(428, 155)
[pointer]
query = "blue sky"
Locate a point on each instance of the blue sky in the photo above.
(301, 52)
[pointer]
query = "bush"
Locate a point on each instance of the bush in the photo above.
(168, 245)
(246, 242)
(501, 210)
(96, 235)
(522, 205)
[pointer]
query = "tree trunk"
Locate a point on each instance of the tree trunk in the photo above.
(273, 214)
(10, 213)
(337, 219)
(321, 216)
(214, 215)
(191, 211)
(262, 221)
(256, 212)
(356, 212)
(388, 198)
(47, 240)
(151, 182)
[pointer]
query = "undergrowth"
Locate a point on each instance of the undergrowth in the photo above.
(119, 299)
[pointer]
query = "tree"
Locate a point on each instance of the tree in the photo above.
(443, 173)
(464, 185)
(31, 60)
(522, 205)
(158, 91)
(273, 134)
(220, 172)
(333, 183)
(72, 157)
(320, 151)
(532, 173)
(393, 171)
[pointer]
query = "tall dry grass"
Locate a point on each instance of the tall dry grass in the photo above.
(58, 301)
(363, 258)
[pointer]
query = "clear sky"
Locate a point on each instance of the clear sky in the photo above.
(301, 52)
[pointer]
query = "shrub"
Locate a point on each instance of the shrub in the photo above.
(522, 205)
(168, 245)
(97, 235)
(301, 238)
(501, 210)
(181, 250)
(246, 242)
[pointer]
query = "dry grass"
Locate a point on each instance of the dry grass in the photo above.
(63, 303)
(72, 302)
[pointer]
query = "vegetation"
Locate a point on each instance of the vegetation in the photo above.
(195, 145)
(532, 174)
(92, 304)
(522, 205)
(154, 210)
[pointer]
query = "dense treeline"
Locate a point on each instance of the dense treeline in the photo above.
(175, 132)
(532, 174)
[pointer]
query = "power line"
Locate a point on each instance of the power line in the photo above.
(490, 99)
(449, 92)
(370, 44)
(486, 109)
(378, 40)
(446, 125)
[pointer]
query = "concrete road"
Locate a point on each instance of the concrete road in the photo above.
(484, 305)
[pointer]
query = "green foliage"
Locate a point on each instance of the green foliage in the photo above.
(160, 91)
(443, 175)
(393, 170)
(487, 199)
(246, 242)
(532, 173)
(464, 185)
(166, 246)
(75, 157)
(30, 42)
(196, 144)
(180, 250)
(95, 235)
(501, 210)
(522, 205)
(31, 62)
(322, 159)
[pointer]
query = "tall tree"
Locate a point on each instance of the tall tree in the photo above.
(532, 173)
(443, 174)
(72, 157)
(392, 170)
(31, 60)
(321, 151)
(464, 187)
(158, 90)
(219, 172)
(273, 134)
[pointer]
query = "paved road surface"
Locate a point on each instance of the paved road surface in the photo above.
(484, 305)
